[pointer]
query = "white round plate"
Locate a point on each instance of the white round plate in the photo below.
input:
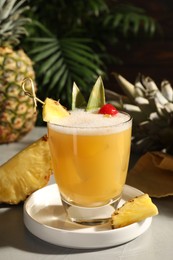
(44, 217)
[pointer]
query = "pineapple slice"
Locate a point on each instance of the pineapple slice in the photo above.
(134, 210)
(27, 171)
(52, 110)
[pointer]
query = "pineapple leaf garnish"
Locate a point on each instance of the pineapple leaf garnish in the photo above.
(78, 100)
(97, 96)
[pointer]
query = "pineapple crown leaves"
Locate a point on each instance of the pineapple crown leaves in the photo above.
(96, 98)
(152, 110)
(144, 96)
(12, 22)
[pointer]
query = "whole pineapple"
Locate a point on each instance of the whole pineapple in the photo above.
(16, 109)
(152, 110)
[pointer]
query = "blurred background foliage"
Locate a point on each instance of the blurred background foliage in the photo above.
(76, 41)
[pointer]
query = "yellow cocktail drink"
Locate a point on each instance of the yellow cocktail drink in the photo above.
(90, 156)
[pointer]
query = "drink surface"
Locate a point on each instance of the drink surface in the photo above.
(87, 121)
(90, 160)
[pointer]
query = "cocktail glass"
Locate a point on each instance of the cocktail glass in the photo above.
(90, 166)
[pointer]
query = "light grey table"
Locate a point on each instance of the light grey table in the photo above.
(17, 243)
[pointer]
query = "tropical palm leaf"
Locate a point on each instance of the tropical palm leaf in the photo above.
(72, 41)
(62, 61)
(130, 19)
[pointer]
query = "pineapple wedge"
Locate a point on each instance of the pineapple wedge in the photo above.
(134, 210)
(27, 171)
(52, 110)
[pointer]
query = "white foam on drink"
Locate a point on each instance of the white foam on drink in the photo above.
(88, 123)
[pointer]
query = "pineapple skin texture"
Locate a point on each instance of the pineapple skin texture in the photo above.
(133, 211)
(17, 115)
(26, 172)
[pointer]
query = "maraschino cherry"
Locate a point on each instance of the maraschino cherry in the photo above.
(108, 109)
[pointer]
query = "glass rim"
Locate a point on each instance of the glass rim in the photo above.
(95, 127)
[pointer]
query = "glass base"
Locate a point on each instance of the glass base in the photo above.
(92, 215)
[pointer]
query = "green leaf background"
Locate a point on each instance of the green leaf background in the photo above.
(75, 41)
